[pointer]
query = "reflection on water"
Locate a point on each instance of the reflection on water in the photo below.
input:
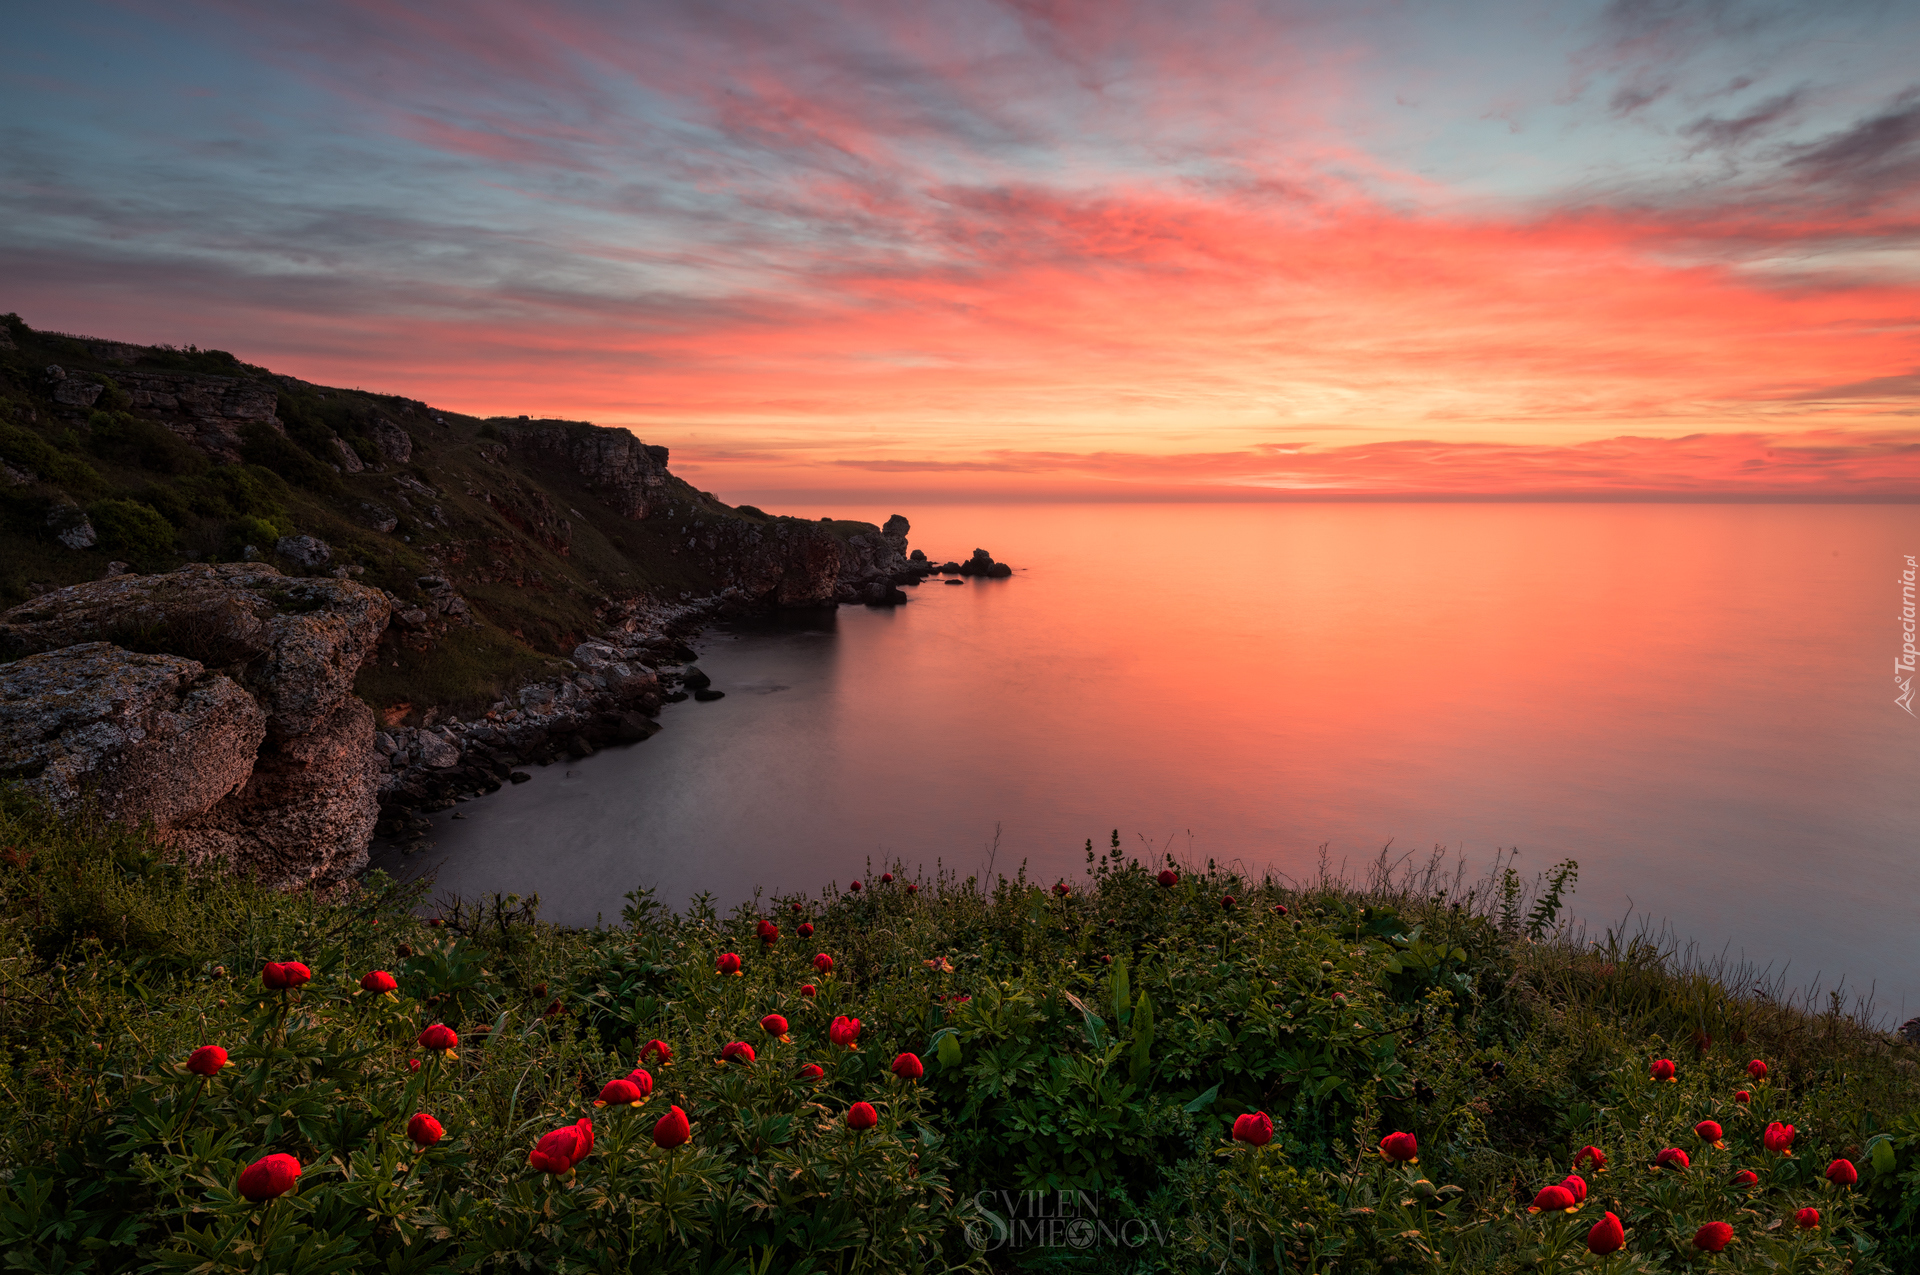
(1693, 701)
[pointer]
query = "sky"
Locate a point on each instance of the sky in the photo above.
(1046, 249)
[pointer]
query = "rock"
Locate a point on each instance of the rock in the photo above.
(436, 751)
(694, 679)
(379, 517)
(6, 338)
(629, 475)
(308, 552)
(882, 594)
(17, 477)
(519, 777)
(208, 412)
(1910, 1031)
(707, 695)
(71, 527)
(953, 582)
(395, 444)
(999, 571)
(346, 457)
(918, 555)
(74, 391)
(147, 736)
(115, 569)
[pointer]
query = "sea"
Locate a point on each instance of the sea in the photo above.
(1703, 705)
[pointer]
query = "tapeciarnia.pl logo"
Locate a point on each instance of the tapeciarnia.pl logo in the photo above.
(1903, 662)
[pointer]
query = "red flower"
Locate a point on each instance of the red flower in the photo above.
(812, 1071)
(1708, 1131)
(1168, 878)
(1842, 1173)
(796, 909)
(909, 1067)
(1553, 1199)
(768, 931)
(557, 1152)
(656, 1049)
(1746, 1177)
(1807, 1219)
(1226, 903)
(413, 1064)
(440, 1038)
(844, 1031)
(281, 976)
(1663, 1069)
(672, 1129)
(584, 1128)
(727, 963)
(1742, 1096)
(206, 1060)
(1062, 889)
(1255, 1129)
(1713, 1237)
(912, 888)
(1757, 1069)
(855, 887)
(738, 1051)
(1400, 1147)
(886, 878)
(774, 1025)
(1672, 1158)
(1576, 1186)
(1778, 1137)
(823, 963)
(808, 990)
(1279, 909)
(861, 1115)
(1593, 1156)
(806, 929)
(424, 1129)
(378, 981)
(268, 1177)
(640, 1080)
(620, 1093)
(1607, 1236)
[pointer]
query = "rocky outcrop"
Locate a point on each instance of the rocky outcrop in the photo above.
(628, 475)
(207, 411)
(306, 802)
(871, 557)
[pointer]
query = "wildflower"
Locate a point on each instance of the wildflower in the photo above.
(282, 976)
(583, 1127)
(378, 981)
(1592, 1156)
(796, 909)
(1663, 1069)
(440, 1039)
(939, 965)
(1279, 909)
(844, 1031)
(1842, 1173)
(812, 1071)
(619, 1093)
(808, 990)
(1226, 903)
(206, 1060)
(1807, 1219)
(424, 1129)
(1062, 889)
(1746, 1177)
(1713, 1237)
(861, 1115)
(1255, 1129)
(1576, 1186)
(737, 1051)
(557, 1152)
(1778, 1137)
(641, 1080)
(413, 1064)
(1672, 1158)
(1553, 1199)
(909, 1067)
(671, 1130)
(855, 887)
(823, 963)
(912, 888)
(268, 1177)
(1708, 1131)
(727, 963)
(1398, 1147)
(1607, 1236)
(768, 931)
(656, 1049)
(806, 929)
(1168, 878)
(774, 1025)
(1758, 1070)
(1742, 1097)
(886, 878)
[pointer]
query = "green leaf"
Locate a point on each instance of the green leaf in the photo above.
(1120, 993)
(1880, 1152)
(1198, 1104)
(948, 1050)
(1142, 1040)
(1096, 1025)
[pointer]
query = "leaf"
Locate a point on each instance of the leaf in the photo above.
(1880, 1151)
(948, 1050)
(1142, 1040)
(1194, 1108)
(1121, 1013)
(1096, 1025)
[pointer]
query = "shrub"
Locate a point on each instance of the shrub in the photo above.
(127, 526)
(25, 449)
(129, 440)
(262, 445)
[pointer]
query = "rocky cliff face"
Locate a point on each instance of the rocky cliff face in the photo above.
(629, 475)
(217, 701)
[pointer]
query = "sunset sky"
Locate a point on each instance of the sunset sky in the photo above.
(972, 249)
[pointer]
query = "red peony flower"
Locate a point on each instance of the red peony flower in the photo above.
(727, 963)
(812, 1071)
(206, 1060)
(909, 1067)
(413, 1064)
(855, 887)
(1713, 1237)
(642, 1081)
(1842, 1173)
(378, 981)
(1607, 1236)
(1778, 1137)
(281, 976)
(1807, 1219)
(671, 1130)
(886, 878)
(844, 1031)
(774, 1025)
(1255, 1129)
(1663, 1069)
(270, 1176)
(1576, 1186)
(557, 1152)
(1062, 889)
(656, 1049)
(1553, 1199)
(1708, 1131)
(912, 888)
(424, 1129)
(1168, 878)
(620, 1093)
(584, 1128)
(1226, 903)
(1746, 1177)
(809, 990)
(1672, 1158)
(737, 1051)
(1742, 1097)
(806, 929)
(1593, 1156)
(796, 909)
(439, 1038)
(1279, 909)
(1757, 1069)
(823, 963)
(861, 1115)
(1400, 1148)
(768, 931)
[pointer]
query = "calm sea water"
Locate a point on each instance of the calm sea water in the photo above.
(1694, 701)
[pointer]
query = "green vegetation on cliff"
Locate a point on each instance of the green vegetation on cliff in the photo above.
(1099, 1038)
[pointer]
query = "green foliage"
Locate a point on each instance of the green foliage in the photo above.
(262, 445)
(128, 527)
(24, 449)
(129, 440)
